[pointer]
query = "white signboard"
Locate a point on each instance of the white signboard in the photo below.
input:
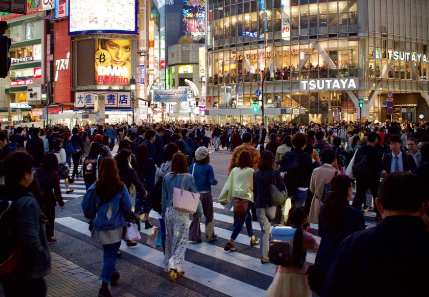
(112, 99)
(172, 95)
(406, 56)
(285, 19)
(34, 94)
(47, 5)
(329, 84)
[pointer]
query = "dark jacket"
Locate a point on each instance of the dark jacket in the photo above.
(299, 177)
(374, 159)
(77, 142)
(261, 191)
(159, 150)
(36, 148)
(49, 183)
(352, 222)
(166, 137)
(130, 177)
(216, 132)
(390, 259)
(272, 146)
(29, 234)
(146, 172)
(151, 148)
(51, 140)
(10, 147)
(263, 135)
(423, 172)
(408, 162)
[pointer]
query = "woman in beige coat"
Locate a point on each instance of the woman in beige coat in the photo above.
(320, 177)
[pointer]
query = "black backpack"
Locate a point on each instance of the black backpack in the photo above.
(293, 172)
(361, 166)
(9, 251)
(157, 195)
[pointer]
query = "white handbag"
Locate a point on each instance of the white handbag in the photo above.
(185, 201)
(132, 232)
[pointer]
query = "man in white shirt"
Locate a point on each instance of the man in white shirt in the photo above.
(397, 161)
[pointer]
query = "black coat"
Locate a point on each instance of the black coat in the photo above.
(130, 177)
(36, 148)
(49, 183)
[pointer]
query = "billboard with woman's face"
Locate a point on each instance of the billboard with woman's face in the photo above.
(112, 61)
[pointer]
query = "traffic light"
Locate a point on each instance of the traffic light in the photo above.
(5, 43)
(360, 103)
(255, 107)
(61, 108)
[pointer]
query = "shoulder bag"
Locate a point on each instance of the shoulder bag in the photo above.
(185, 201)
(327, 189)
(277, 198)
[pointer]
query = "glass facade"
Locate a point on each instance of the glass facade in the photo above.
(382, 44)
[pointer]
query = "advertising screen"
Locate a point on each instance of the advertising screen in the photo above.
(103, 16)
(194, 20)
(112, 62)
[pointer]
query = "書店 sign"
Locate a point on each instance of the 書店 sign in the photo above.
(329, 84)
(111, 99)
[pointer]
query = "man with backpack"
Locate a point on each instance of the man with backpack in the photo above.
(36, 148)
(77, 143)
(24, 252)
(397, 160)
(298, 169)
(366, 171)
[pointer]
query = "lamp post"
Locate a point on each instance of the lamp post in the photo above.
(44, 96)
(133, 88)
(263, 105)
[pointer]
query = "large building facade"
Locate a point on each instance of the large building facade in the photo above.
(324, 56)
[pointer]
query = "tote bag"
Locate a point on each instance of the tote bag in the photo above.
(185, 201)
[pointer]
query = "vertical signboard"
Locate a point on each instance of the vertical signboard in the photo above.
(142, 74)
(285, 19)
(62, 63)
(61, 9)
(151, 45)
(202, 62)
(142, 26)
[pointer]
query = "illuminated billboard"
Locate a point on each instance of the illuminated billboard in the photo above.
(194, 20)
(112, 62)
(102, 16)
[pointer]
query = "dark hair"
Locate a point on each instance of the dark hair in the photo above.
(50, 162)
(350, 133)
(328, 156)
(124, 144)
(266, 160)
(273, 136)
(355, 141)
(106, 140)
(36, 131)
(12, 137)
(319, 135)
(296, 217)
(149, 134)
(179, 164)
(288, 141)
(299, 140)
(66, 136)
(109, 182)
(94, 151)
(122, 160)
(174, 138)
(181, 145)
(372, 137)
(169, 151)
(311, 134)
(15, 165)
(184, 132)
(395, 139)
(58, 142)
(424, 150)
(336, 141)
(247, 137)
(84, 136)
(142, 152)
(412, 139)
(245, 160)
(333, 212)
(3, 135)
(160, 129)
(403, 191)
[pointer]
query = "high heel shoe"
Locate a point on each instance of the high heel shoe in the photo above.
(254, 242)
(229, 247)
(173, 275)
(180, 274)
(148, 225)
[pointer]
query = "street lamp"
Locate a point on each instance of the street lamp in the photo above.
(44, 96)
(133, 88)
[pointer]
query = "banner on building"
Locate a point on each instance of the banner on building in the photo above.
(285, 19)
(111, 99)
(202, 62)
(170, 95)
(142, 26)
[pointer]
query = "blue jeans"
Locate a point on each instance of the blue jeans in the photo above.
(240, 223)
(299, 198)
(216, 138)
(110, 255)
(112, 143)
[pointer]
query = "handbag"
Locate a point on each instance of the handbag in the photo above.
(132, 232)
(152, 239)
(63, 170)
(185, 201)
(327, 189)
(277, 198)
(270, 212)
(241, 207)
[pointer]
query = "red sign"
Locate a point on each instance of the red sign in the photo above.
(37, 72)
(162, 64)
(23, 82)
(36, 113)
(62, 64)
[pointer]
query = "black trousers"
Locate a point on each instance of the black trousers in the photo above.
(24, 287)
(362, 186)
(50, 214)
(76, 159)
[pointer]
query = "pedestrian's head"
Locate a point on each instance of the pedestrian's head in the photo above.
(36, 132)
(412, 145)
(298, 216)
(184, 132)
(320, 135)
(328, 156)
(109, 182)
(75, 131)
(123, 158)
(124, 144)
(179, 165)
(94, 151)
(106, 140)
(395, 143)
(273, 137)
(67, 136)
(3, 139)
(402, 193)
(58, 143)
(202, 155)
(247, 137)
(299, 141)
(372, 138)
(17, 168)
(50, 162)
(244, 160)
(150, 135)
(12, 138)
(336, 141)
(288, 141)
(98, 138)
(169, 151)
(266, 161)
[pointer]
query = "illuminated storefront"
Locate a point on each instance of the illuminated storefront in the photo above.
(323, 57)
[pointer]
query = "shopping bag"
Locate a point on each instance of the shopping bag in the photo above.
(286, 207)
(132, 232)
(151, 241)
(162, 228)
(349, 170)
(159, 239)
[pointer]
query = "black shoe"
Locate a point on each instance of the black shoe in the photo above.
(69, 191)
(130, 244)
(148, 225)
(104, 291)
(119, 254)
(114, 279)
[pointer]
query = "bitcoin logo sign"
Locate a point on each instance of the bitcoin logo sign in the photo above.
(102, 58)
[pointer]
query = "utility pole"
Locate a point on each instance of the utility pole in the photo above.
(262, 97)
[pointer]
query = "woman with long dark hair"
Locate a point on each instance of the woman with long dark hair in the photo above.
(337, 220)
(292, 281)
(176, 222)
(105, 204)
(49, 183)
(60, 153)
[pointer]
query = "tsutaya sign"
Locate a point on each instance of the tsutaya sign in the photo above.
(329, 84)
(405, 56)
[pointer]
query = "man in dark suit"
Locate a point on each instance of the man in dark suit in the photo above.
(167, 135)
(388, 257)
(397, 160)
(262, 134)
(36, 148)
